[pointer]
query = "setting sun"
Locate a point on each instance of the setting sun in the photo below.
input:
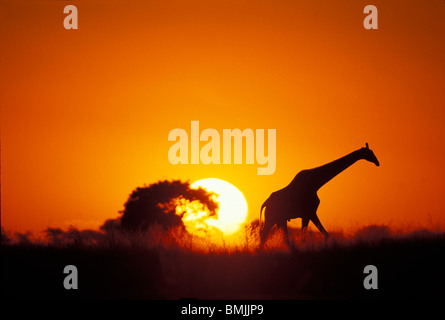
(232, 210)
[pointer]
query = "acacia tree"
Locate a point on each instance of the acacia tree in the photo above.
(156, 204)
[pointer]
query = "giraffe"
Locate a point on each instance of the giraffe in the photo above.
(299, 198)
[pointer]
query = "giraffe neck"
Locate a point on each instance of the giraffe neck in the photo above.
(321, 175)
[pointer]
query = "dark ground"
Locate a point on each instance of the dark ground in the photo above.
(408, 268)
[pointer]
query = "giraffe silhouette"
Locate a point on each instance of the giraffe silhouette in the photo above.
(299, 199)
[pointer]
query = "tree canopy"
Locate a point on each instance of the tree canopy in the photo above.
(156, 203)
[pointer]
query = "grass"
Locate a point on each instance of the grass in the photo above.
(172, 264)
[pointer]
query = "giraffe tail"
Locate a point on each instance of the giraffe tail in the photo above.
(261, 222)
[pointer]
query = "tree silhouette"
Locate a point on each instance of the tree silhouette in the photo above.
(156, 203)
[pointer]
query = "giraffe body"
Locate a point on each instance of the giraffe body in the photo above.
(299, 199)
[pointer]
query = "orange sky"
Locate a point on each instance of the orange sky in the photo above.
(85, 114)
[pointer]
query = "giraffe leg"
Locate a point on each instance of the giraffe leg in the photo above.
(320, 227)
(304, 224)
(283, 225)
(264, 233)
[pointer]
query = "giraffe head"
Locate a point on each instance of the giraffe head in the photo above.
(369, 155)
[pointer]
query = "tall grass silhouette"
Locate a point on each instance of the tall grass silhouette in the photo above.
(162, 263)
